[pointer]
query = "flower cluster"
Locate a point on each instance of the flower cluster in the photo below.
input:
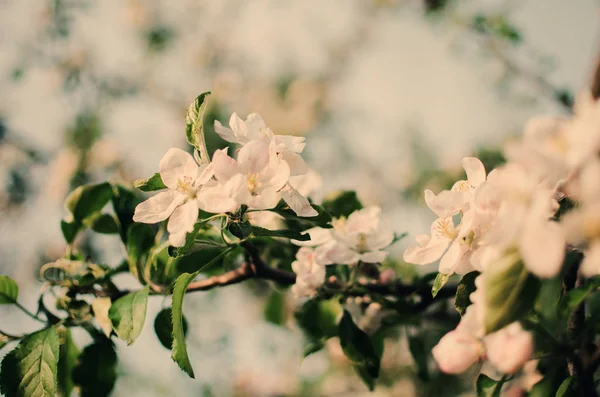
(507, 222)
(268, 168)
(360, 237)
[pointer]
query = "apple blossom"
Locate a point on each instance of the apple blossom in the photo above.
(460, 348)
(184, 180)
(254, 128)
(310, 275)
(509, 348)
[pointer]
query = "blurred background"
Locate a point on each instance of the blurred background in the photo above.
(390, 94)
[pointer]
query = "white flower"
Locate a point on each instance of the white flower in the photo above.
(254, 128)
(184, 180)
(509, 348)
(310, 275)
(259, 178)
(451, 202)
(453, 244)
(361, 237)
(459, 349)
(255, 177)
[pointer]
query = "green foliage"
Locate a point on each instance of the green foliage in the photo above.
(418, 349)
(275, 309)
(498, 26)
(9, 290)
(318, 321)
(440, 280)
(103, 223)
(159, 37)
(31, 369)
(96, 371)
(510, 292)
(151, 184)
(163, 327)
(140, 239)
(124, 202)
(342, 204)
(88, 199)
(357, 346)
(465, 288)
(566, 387)
(128, 314)
(285, 233)
(323, 218)
(68, 357)
(194, 127)
(488, 387)
(179, 352)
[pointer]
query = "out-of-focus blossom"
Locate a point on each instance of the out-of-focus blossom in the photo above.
(509, 348)
(310, 275)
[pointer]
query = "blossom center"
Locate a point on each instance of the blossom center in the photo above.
(185, 185)
(445, 228)
(253, 184)
(361, 245)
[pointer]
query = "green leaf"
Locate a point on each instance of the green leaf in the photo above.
(488, 387)
(565, 387)
(323, 218)
(275, 308)
(103, 223)
(440, 280)
(342, 203)
(67, 359)
(510, 292)
(465, 288)
(128, 314)
(124, 202)
(88, 199)
(9, 290)
(180, 354)
(357, 346)
(194, 127)
(140, 238)
(572, 299)
(163, 327)
(70, 230)
(31, 369)
(240, 230)
(101, 306)
(151, 184)
(96, 371)
(261, 232)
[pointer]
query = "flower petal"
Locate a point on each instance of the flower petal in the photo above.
(158, 208)
(590, 266)
(446, 203)
(422, 255)
(342, 255)
(318, 236)
(295, 162)
(182, 222)
(254, 157)
(297, 202)
(542, 247)
(475, 170)
(225, 133)
(224, 166)
(175, 165)
(452, 258)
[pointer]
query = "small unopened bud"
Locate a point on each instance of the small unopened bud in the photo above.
(387, 276)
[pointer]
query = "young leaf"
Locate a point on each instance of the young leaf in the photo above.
(151, 184)
(357, 346)
(100, 306)
(128, 314)
(103, 223)
(9, 290)
(510, 293)
(318, 321)
(465, 288)
(261, 232)
(440, 280)
(416, 345)
(180, 354)
(323, 218)
(70, 230)
(124, 202)
(67, 359)
(488, 387)
(566, 387)
(88, 199)
(194, 128)
(572, 299)
(31, 369)
(163, 327)
(140, 238)
(96, 370)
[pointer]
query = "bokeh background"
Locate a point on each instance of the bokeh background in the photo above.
(389, 93)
